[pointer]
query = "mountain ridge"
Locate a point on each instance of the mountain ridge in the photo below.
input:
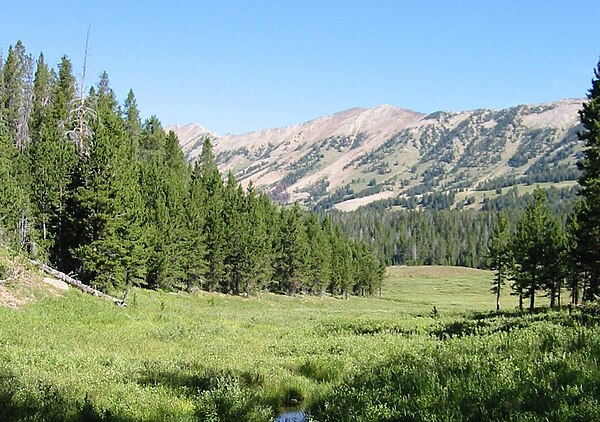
(387, 151)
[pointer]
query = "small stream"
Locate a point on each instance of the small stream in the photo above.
(291, 416)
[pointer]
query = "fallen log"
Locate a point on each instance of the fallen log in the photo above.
(77, 284)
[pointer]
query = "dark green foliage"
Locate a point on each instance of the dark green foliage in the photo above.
(588, 230)
(500, 255)
(133, 125)
(16, 94)
(14, 198)
(441, 236)
(528, 244)
(106, 199)
(430, 237)
(87, 187)
(534, 371)
(53, 157)
(538, 248)
(291, 251)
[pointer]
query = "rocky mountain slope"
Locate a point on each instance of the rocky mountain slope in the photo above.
(359, 155)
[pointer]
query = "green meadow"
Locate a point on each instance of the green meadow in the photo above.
(67, 356)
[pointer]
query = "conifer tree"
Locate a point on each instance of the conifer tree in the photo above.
(105, 200)
(588, 236)
(43, 82)
(530, 248)
(214, 226)
(255, 267)
(133, 125)
(193, 257)
(291, 250)
(318, 256)
(341, 265)
(236, 234)
(152, 141)
(166, 197)
(554, 261)
(369, 273)
(16, 85)
(501, 256)
(575, 255)
(17, 93)
(52, 155)
(14, 200)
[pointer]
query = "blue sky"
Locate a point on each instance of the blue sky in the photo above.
(237, 66)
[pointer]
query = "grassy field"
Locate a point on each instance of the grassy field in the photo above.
(206, 356)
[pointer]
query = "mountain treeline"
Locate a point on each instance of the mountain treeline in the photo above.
(443, 236)
(88, 187)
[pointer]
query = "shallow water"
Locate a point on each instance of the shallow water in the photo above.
(291, 416)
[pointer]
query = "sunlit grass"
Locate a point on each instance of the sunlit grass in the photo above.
(208, 356)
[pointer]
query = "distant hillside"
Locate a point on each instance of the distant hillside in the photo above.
(359, 155)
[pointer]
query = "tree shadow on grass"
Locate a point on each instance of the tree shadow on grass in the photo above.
(47, 405)
(192, 382)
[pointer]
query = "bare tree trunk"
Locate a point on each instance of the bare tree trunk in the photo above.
(81, 111)
(78, 284)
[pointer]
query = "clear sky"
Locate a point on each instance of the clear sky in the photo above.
(237, 66)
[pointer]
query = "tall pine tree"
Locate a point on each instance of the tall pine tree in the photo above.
(588, 235)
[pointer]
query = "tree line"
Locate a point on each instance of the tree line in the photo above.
(457, 236)
(89, 187)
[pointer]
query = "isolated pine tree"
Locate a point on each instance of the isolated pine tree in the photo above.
(501, 256)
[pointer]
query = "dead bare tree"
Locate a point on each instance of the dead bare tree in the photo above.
(81, 113)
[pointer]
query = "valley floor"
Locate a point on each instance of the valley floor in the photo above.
(206, 356)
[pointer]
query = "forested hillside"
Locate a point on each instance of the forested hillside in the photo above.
(89, 187)
(440, 235)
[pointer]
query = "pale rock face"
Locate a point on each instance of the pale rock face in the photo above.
(386, 151)
(565, 115)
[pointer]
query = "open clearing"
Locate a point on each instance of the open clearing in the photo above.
(208, 356)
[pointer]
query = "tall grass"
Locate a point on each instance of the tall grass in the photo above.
(215, 357)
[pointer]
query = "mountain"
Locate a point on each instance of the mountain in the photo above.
(361, 155)
(191, 135)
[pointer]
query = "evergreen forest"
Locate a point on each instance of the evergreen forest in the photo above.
(91, 189)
